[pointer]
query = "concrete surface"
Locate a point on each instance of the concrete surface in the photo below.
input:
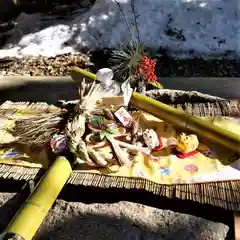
(118, 221)
(51, 89)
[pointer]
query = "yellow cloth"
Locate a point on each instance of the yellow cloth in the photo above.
(20, 155)
(209, 164)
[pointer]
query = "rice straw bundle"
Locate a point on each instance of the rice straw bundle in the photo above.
(38, 130)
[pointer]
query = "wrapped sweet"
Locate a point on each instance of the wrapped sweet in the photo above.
(187, 143)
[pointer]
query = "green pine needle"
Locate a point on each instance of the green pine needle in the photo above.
(126, 59)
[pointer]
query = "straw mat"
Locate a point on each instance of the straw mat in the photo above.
(224, 194)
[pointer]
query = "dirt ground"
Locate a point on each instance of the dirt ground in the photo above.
(118, 221)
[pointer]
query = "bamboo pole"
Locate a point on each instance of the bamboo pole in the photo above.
(205, 130)
(30, 216)
(77, 74)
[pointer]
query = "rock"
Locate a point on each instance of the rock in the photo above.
(125, 220)
(9, 204)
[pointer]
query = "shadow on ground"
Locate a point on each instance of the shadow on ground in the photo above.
(97, 226)
(87, 219)
(42, 91)
(93, 27)
(89, 195)
(9, 205)
(63, 88)
(50, 13)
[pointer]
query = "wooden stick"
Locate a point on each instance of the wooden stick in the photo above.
(131, 147)
(121, 155)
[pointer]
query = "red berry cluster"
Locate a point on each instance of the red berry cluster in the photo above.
(147, 67)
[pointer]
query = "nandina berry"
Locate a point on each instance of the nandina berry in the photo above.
(147, 67)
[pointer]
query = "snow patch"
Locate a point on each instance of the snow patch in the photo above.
(199, 27)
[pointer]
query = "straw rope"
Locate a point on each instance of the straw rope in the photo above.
(177, 96)
(221, 194)
(195, 103)
(227, 109)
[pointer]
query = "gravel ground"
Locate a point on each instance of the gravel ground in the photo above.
(166, 66)
(122, 220)
(42, 66)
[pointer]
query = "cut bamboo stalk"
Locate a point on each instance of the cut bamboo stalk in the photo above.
(30, 216)
(77, 74)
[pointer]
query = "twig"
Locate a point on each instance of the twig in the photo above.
(131, 147)
(121, 155)
(125, 17)
(88, 98)
(135, 20)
